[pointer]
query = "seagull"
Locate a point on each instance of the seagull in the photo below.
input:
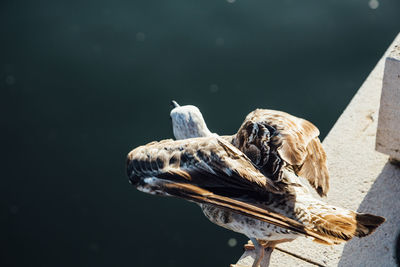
(234, 192)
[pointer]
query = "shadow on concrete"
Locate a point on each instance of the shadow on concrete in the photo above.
(397, 249)
(383, 199)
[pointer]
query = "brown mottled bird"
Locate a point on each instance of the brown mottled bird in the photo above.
(236, 189)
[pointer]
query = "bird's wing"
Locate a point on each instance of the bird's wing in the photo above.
(297, 144)
(207, 170)
(210, 162)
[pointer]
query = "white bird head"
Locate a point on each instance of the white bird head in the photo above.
(188, 122)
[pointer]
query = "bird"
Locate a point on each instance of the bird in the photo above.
(234, 191)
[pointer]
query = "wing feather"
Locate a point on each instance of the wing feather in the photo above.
(296, 141)
(196, 194)
(209, 161)
(208, 170)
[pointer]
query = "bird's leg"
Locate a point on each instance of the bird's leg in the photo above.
(259, 252)
(265, 244)
(262, 256)
(266, 248)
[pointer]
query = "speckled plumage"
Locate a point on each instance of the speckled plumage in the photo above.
(274, 140)
(249, 182)
(211, 171)
(271, 139)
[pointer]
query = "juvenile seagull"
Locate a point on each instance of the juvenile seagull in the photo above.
(234, 193)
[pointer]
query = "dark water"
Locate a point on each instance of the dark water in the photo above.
(84, 82)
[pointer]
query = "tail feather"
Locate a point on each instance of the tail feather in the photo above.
(367, 223)
(341, 225)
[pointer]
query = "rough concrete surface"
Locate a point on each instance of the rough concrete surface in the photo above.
(388, 133)
(248, 257)
(361, 179)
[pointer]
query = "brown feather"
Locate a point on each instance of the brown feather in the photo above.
(297, 144)
(196, 194)
(341, 225)
(314, 167)
(210, 161)
(367, 223)
(210, 170)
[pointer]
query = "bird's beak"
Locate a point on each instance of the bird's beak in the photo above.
(174, 104)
